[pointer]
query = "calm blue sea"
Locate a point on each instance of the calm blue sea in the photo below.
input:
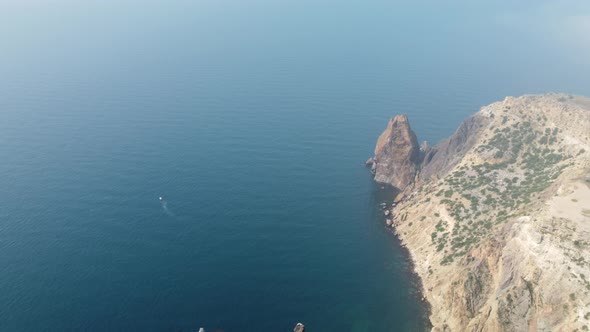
(252, 120)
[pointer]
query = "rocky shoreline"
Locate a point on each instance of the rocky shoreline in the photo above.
(413, 276)
(494, 219)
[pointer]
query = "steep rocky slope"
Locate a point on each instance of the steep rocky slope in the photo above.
(497, 217)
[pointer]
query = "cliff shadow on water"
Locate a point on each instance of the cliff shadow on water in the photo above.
(382, 198)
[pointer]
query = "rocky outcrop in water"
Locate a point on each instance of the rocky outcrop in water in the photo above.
(497, 217)
(397, 154)
(401, 162)
(299, 328)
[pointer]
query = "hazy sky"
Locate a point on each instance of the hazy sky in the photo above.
(565, 22)
(457, 30)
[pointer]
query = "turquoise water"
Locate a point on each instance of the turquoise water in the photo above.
(252, 120)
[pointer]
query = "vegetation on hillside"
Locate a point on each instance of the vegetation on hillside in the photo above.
(520, 163)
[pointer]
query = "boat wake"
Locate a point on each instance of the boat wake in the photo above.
(165, 207)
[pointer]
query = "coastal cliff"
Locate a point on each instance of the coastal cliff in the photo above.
(497, 217)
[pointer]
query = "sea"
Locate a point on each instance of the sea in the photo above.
(171, 165)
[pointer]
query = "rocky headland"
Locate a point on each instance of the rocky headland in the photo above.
(497, 216)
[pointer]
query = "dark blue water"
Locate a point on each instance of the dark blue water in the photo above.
(252, 120)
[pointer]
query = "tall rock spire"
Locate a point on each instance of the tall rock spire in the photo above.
(397, 154)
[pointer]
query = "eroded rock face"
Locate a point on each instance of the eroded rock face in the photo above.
(397, 154)
(401, 162)
(443, 157)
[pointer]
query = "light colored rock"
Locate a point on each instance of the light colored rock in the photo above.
(299, 328)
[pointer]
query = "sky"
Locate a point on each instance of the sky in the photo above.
(564, 24)
(488, 28)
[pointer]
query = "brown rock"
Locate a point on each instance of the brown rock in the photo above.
(397, 154)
